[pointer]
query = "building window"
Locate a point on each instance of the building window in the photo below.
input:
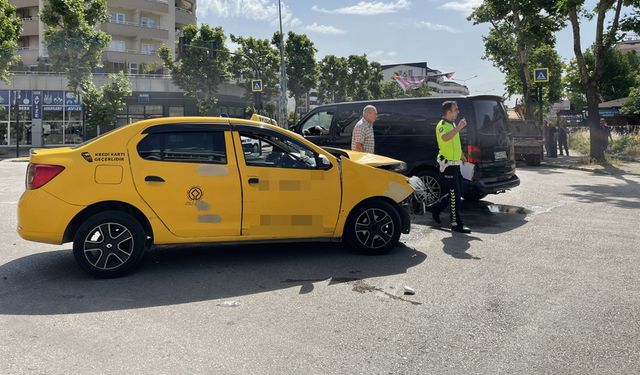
(118, 18)
(148, 49)
(117, 45)
(148, 22)
(175, 111)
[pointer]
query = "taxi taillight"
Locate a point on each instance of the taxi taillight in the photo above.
(39, 175)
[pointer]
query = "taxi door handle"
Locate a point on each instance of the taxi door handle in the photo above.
(153, 179)
(254, 180)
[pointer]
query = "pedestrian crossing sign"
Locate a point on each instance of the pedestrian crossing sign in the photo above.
(256, 85)
(541, 75)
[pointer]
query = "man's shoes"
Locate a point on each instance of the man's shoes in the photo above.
(460, 229)
(436, 217)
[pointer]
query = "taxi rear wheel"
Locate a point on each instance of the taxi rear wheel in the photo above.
(373, 227)
(109, 244)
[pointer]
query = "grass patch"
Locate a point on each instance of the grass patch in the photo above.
(623, 146)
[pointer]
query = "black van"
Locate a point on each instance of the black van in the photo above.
(405, 130)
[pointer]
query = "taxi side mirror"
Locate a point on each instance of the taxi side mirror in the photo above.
(323, 163)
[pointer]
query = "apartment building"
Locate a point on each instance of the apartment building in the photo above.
(49, 114)
(137, 28)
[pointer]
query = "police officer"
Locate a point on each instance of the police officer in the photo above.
(450, 157)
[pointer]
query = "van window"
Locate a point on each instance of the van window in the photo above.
(490, 117)
(319, 123)
(347, 119)
(408, 118)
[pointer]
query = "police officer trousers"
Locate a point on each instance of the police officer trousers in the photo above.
(451, 193)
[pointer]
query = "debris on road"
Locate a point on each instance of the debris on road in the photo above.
(229, 304)
(409, 291)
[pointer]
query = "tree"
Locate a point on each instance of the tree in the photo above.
(73, 40)
(618, 77)
(375, 79)
(517, 29)
(547, 56)
(359, 77)
(301, 65)
(196, 71)
(104, 103)
(605, 39)
(632, 106)
(392, 90)
(10, 30)
(332, 80)
(256, 56)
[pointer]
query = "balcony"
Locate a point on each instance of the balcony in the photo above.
(131, 56)
(30, 26)
(29, 56)
(184, 16)
(158, 6)
(25, 3)
(133, 29)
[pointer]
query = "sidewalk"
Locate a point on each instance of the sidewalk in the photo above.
(580, 162)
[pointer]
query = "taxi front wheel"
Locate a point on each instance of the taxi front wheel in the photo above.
(373, 227)
(109, 244)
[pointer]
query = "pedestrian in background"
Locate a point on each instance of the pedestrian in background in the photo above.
(362, 138)
(450, 157)
(605, 131)
(563, 139)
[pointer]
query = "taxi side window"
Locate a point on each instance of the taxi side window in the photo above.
(196, 147)
(271, 150)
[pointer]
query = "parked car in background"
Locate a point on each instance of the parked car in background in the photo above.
(528, 138)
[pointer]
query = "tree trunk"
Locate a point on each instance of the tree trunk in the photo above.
(522, 57)
(598, 136)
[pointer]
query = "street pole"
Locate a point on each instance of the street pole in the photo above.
(17, 94)
(283, 120)
(540, 102)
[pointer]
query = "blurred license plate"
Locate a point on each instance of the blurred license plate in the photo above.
(500, 155)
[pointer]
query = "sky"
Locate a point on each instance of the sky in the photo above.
(387, 31)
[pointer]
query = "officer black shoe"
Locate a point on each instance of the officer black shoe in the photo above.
(460, 229)
(436, 217)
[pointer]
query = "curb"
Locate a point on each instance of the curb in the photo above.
(15, 160)
(583, 169)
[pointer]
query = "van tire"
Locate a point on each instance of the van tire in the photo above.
(116, 233)
(433, 182)
(533, 160)
(375, 238)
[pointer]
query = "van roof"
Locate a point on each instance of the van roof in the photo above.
(491, 97)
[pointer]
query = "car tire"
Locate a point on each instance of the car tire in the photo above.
(473, 195)
(114, 233)
(533, 160)
(373, 227)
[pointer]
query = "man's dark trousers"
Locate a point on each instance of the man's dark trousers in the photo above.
(451, 184)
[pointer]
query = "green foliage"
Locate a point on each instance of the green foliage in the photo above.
(195, 72)
(256, 54)
(617, 81)
(632, 105)
(392, 90)
(73, 39)
(521, 31)
(10, 30)
(375, 79)
(302, 71)
(359, 76)
(104, 103)
(332, 82)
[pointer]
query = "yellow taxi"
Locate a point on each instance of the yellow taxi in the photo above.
(187, 180)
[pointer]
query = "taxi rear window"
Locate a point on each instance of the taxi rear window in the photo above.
(196, 147)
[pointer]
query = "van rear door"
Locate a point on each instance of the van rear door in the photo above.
(491, 144)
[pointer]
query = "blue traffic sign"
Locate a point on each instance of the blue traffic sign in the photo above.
(256, 85)
(541, 75)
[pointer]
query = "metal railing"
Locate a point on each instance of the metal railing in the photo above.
(137, 24)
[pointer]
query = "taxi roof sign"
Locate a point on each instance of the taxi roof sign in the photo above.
(256, 85)
(541, 75)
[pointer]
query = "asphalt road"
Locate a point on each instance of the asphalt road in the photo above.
(547, 283)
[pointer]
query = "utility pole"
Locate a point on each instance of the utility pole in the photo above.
(283, 120)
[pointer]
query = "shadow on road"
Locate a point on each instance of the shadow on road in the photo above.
(51, 283)
(458, 244)
(482, 217)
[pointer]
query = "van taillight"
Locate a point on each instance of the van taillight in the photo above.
(473, 154)
(40, 174)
